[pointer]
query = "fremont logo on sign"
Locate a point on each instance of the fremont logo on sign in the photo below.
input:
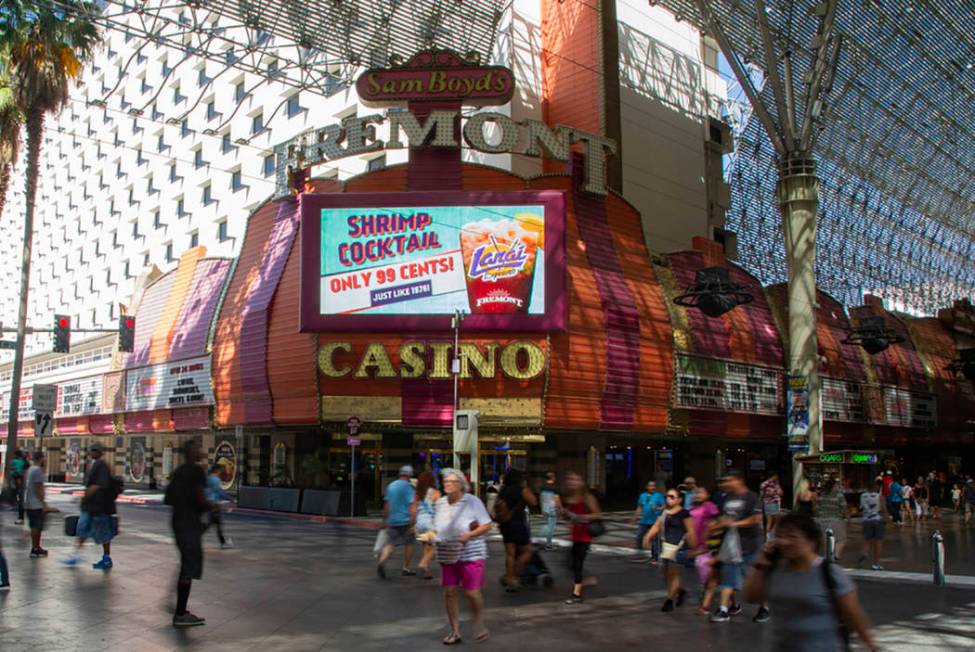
(185, 383)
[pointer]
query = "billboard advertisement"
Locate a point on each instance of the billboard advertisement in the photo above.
(393, 260)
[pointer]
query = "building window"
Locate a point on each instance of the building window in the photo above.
(184, 128)
(236, 182)
(269, 165)
(294, 107)
(165, 68)
(257, 125)
(240, 94)
(222, 231)
(135, 229)
(377, 163)
(145, 87)
(194, 239)
(127, 269)
(169, 252)
(177, 96)
(172, 173)
(161, 145)
(145, 259)
(212, 110)
(207, 196)
(157, 220)
(181, 207)
(198, 158)
(225, 144)
(139, 158)
(115, 239)
(201, 77)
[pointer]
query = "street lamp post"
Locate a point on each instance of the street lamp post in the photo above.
(455, 370)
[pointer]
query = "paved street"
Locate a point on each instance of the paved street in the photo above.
(291, 585)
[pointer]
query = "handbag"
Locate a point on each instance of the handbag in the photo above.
(730, 552)
(71, 526)
(596, 528)
(670, 550)
(381, 539)
(448, 551)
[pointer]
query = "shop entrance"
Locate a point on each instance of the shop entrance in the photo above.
(368, 462)
(629, 468)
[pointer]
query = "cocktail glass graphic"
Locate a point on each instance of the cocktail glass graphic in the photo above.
(499, 262)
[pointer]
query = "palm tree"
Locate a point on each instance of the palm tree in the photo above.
(43, 46)
(11, 123)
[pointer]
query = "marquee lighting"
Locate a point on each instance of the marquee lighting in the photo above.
(873, 335)
(713, 293)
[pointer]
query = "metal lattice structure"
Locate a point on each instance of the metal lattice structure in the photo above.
(894, 137)
(312, 45)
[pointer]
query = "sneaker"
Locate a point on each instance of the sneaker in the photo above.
(40, 552)
(104, 564)
(406, 572)
(876, 567)
(71, 560)
(762, 616)
(702, 611)
(668, 605)
(4, 587)
(380, 571)
(19, 521)
(720, 616)
(188, 620)
(227, 543)
(653, 562)
(681, 596)
(735, 609)
(574, 599)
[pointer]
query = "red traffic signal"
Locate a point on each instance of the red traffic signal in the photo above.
(126, 333)
(62, 334)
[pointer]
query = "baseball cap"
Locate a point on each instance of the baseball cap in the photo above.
(406, 470)
(96, 447)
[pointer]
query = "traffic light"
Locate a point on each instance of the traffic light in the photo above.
(126, 334)
(62, 334)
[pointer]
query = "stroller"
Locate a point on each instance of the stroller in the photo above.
(535, 573)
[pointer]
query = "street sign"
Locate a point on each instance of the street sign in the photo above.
(353, 425)
(45, 398)
(7, 344)
(43, 424)
(353, 441)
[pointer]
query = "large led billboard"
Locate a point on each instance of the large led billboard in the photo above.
(394, 261)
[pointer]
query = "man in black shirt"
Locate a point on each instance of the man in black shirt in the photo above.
(186, 494)
(97, 507)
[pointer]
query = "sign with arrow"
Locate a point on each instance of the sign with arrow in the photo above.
(43, 424)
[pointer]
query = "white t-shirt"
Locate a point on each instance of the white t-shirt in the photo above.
(450, 524)
(907, 492)
(35, 475)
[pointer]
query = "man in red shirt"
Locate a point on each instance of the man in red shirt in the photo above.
(888, 480)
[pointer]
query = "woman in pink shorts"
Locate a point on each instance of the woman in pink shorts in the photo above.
(461, 521)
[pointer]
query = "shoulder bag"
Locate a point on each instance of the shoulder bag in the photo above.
(448, 550)
(835, 602)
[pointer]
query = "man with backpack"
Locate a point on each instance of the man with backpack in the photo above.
(97, 509)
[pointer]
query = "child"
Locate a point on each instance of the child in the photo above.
(956, 497)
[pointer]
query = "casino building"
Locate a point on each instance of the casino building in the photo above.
(341, 304)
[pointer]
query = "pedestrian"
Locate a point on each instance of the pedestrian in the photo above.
(908, 505)
(968, 494)
(771, 493)
(742, 523)
(956, 498)
(934, 494)
(704, 513)
(649, 506)
(398, 517)
(582, 508)
(895, 497)
(97, 508)
(551, 505)
(805, 498)
(18, 471)
(509, 512)
(815, 601)
(186, 494)
(215, 494)
(676, 527)
(832, 514)
(873, 508)
(921, 498)
(35, 503)
(427, 496)
(461, 521)
(690, 491)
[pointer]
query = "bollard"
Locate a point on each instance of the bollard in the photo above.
(938, 557)
(830, 544)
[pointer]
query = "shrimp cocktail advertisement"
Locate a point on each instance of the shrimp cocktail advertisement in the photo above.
(435, 256)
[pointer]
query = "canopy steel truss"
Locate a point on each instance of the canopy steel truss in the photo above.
(892, 127)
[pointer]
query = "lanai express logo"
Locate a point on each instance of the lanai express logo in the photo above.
(499, 256)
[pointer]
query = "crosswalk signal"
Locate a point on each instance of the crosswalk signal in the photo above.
(126, 334)
(62, 334)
